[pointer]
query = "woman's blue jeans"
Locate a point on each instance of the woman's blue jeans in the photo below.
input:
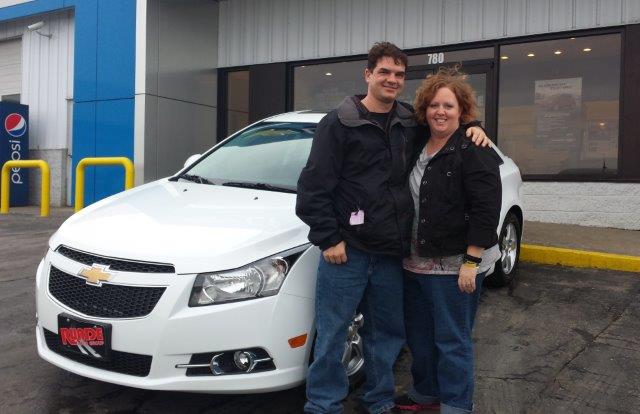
(439, 320)
(371, 284)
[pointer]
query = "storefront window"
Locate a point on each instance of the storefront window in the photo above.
(559, 106)
(237, 101)
(323, 87)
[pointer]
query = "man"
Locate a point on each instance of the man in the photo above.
(354, 195)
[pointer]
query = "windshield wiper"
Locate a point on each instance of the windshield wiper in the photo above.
(192, 177)
(259, 186)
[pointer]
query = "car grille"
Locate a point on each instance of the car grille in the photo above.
(121, 265)
(105, 301)
(121, 362)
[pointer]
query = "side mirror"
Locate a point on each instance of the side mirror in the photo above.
(191, 160)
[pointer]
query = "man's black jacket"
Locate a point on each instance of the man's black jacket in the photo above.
(354, 165)
(460, 198)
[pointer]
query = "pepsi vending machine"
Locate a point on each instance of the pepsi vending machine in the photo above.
(14, 145)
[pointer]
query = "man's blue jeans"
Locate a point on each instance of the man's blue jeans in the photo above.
(439, 319)
(371, 284)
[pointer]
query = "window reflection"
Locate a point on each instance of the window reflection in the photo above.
(269, 152)
(237, 100)
(559, 105)
(323, 87)
(478, 82)
(408, 94)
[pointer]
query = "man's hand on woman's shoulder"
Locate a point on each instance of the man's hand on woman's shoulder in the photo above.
(478, 136)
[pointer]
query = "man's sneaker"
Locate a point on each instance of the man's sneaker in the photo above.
(405, 403)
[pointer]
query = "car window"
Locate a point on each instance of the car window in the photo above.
(270, 153)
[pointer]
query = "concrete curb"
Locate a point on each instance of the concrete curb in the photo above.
(578, 258)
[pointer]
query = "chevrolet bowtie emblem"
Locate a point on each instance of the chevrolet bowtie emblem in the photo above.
(96, 274)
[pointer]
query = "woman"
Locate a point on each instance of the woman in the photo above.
(457, 195)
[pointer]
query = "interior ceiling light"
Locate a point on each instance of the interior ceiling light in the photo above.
(601, 124)
(329, 74)
(557, 52)
(573, 38)
(504, 57)
(586, 49)
(531, 54)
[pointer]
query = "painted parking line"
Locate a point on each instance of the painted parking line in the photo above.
(578, 258)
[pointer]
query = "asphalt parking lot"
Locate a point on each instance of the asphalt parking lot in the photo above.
(560, 340)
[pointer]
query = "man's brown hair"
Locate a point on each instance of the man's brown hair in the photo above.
(381, 49)
(456, 81)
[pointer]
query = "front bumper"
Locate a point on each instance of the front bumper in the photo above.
(172, 332)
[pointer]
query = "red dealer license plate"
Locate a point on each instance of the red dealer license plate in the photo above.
(91, 339)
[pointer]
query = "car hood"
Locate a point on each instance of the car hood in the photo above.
(195, 227)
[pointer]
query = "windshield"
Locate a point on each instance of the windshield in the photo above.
(270, 153)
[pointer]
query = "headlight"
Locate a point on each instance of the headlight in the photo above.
(259, 279)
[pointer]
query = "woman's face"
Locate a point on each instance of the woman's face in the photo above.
(443, 113)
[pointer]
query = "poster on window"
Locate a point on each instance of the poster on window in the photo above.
(558, 104)
(600, 146)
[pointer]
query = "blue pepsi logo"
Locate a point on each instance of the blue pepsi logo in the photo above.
(15, 125)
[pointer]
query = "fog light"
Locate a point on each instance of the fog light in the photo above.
(245, 361)
(241, 361)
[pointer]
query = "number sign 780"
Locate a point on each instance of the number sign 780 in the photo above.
(434, 58)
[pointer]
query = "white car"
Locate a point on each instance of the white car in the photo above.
(205, 281)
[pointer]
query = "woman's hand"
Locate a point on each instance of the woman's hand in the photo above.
(478, 137)
(467, 279)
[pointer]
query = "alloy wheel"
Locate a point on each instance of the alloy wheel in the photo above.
(353, 356)
(509, 247)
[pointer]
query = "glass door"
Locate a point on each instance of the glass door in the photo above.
(412, 82)
(479, 75)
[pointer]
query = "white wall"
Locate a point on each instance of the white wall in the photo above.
(11, 66)
(47, 76)
(47, 79)
(47, 87)
(265, 31)
(614, 205)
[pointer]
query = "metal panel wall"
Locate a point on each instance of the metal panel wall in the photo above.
(47, 76)
(176, 92)
(10, 67)
(267, 31)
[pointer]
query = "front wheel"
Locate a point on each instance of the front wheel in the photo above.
(509, 242)
(353, 356)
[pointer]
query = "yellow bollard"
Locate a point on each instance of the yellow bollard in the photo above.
(44, 188)
(124, 161)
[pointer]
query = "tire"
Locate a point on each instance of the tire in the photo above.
(506, 268)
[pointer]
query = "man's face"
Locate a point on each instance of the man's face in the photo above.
(386, 80)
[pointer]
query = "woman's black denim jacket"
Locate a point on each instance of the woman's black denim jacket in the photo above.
(460, 198)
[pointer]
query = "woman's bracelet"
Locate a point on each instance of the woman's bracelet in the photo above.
(467, 258)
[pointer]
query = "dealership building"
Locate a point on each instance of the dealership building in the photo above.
(557, 83)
